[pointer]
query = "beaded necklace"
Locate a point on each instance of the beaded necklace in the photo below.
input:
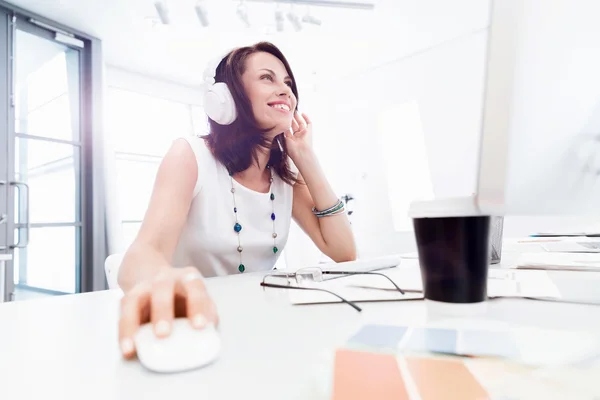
(237, 227)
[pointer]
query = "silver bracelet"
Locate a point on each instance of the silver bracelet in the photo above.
(338, 212)
(337, 208)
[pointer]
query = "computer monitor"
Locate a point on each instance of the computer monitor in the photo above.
(540, 138)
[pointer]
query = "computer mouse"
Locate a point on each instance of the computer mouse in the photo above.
(184, 349)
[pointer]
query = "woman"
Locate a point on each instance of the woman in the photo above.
(222, 204)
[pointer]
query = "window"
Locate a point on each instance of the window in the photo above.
(199, 121)
(142, 124)
(142, 129)
(406, 162)
(135, 180)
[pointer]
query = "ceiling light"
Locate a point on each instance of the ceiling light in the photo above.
(163, 12)
(309, 19)
(355, 5)
(202, 14)
(293, 18)
(279, 20)
(242, 13)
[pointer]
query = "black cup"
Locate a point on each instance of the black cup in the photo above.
(454, 255)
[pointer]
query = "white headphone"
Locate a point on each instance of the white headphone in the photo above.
(218, 101)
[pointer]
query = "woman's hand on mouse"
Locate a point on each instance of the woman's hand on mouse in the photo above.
(173, 293)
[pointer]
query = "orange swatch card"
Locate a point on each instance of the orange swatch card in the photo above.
(444, 379)
(366, 376)
(360, 375)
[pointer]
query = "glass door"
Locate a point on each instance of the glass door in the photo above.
(6, 280)
(43, 171)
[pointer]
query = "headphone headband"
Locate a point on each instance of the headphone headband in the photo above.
(210, 72)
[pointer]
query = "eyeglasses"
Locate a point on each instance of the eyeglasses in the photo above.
(315, 274)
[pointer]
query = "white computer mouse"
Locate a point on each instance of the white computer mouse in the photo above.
(184, 349)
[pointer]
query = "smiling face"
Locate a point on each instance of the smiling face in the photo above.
(269, 89)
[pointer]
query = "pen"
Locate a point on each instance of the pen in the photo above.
(539, 240)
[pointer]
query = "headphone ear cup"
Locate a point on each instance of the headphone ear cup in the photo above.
(219, 104)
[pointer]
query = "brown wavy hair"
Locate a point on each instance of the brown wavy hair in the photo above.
(236, 146)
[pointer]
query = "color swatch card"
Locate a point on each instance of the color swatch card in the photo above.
(430, 340)
(379, 337)
(488, 344)
(528, 346)
(362, 375)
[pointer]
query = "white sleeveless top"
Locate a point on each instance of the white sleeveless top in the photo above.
(208, 240)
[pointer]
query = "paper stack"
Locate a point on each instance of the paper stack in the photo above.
(357, 288)
(559, 261)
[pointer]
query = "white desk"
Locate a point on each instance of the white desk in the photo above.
(66, 347)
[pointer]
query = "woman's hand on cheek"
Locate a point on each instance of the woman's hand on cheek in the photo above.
(299, 138)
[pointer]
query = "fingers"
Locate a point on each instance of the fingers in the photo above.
(289, 133)
(198, 304)
(306, 119)
(301, 121)
(213, 314)
(173, 293)
(132, 305)
(162, 304)
(295, 126)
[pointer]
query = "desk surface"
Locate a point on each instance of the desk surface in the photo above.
(66, 347)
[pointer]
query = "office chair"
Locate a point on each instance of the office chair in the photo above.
(111, 269)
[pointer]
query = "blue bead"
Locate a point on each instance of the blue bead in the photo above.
(273, 216)
(235, 209)
(237, 227)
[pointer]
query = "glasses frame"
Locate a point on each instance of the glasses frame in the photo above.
(276, 286)
(294, 275)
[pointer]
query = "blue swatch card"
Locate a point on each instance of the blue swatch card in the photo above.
(379, 336)
(432, 340)
(488, 344)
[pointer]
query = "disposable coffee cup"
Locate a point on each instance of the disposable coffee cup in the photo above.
(453, 243)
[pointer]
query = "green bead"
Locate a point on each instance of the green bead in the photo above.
(241, 268)
(275, 249)
(272, 196)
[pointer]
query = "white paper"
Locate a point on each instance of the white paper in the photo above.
(501, 283)
(560, 261)
(521, 283)
(362, 264)
(355, 293)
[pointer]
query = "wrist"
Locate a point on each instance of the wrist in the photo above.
(304, 157)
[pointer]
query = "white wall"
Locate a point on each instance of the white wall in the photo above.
(139, 83)
(446, 83)
(555, 103)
